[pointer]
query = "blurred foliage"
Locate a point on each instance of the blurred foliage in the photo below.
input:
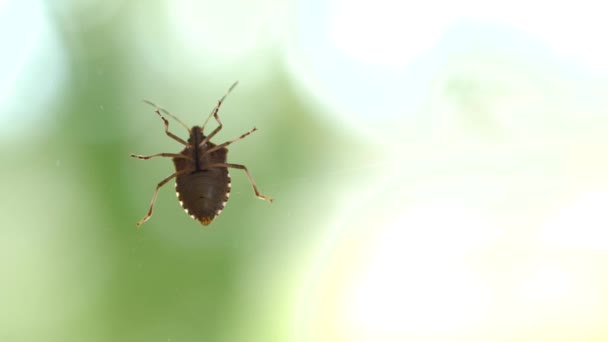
(433, 179)
(172, 279)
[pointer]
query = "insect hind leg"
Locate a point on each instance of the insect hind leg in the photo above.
(251, 181)
(151, 208)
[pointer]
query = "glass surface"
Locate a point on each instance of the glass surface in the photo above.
(439, 171)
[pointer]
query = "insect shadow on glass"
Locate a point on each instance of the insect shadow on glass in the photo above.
(202, 182)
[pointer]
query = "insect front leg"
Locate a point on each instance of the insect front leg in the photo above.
(171, 155)
(216, 116)
(230, 142)
(244, 168)
(166, 123)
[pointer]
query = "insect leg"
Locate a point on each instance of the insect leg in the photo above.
(171, 135)
(163, 182)
(217, 118)
(244, 168)
(172, 155)
(230, 142)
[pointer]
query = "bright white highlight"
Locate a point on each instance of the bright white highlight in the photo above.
(416, 278)
(32, 65)
(372, 60)
(386, 32)
(581, 223)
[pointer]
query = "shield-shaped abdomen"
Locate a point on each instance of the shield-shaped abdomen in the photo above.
(203, 193)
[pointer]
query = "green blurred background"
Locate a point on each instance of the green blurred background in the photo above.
(439, 171)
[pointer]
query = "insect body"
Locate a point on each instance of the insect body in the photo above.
(201, 171)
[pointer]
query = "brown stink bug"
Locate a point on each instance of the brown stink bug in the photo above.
(201, 171)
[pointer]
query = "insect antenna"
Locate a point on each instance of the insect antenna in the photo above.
(219, 103)
(166, 112)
